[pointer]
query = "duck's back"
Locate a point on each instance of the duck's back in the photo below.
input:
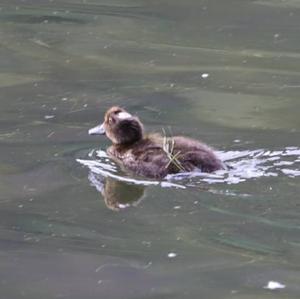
(156, 157)
(147, 158)
(196, 155)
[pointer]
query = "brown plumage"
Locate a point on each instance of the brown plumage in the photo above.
(153, 155)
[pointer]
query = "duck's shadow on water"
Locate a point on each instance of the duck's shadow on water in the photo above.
(118, 189)
(117, 194)
(121, 190)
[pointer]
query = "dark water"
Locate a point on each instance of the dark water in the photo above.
(226, 72)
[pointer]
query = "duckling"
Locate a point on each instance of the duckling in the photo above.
(153, 155)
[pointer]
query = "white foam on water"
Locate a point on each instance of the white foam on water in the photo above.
(248, 164)
(241, 166)
(104, 167)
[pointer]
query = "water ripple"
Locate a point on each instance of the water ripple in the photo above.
(249, 164)
(105, 167)
(241, 166)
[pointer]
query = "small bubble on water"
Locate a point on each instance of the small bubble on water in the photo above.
(274, 285)
(146, 243)
(49, 116)
(172, 255)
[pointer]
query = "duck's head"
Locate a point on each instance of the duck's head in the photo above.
(119, 126)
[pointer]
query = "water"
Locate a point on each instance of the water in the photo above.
(226, 72)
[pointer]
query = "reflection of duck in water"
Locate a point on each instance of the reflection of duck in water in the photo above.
(117, 194)
(153, 156)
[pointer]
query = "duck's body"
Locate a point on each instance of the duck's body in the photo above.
(153, 156)
(148, 157)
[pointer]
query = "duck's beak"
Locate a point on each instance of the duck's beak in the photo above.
(98, 130)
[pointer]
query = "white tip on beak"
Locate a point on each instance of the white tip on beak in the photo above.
(98, 130)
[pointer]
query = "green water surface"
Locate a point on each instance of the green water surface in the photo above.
(227, 72)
